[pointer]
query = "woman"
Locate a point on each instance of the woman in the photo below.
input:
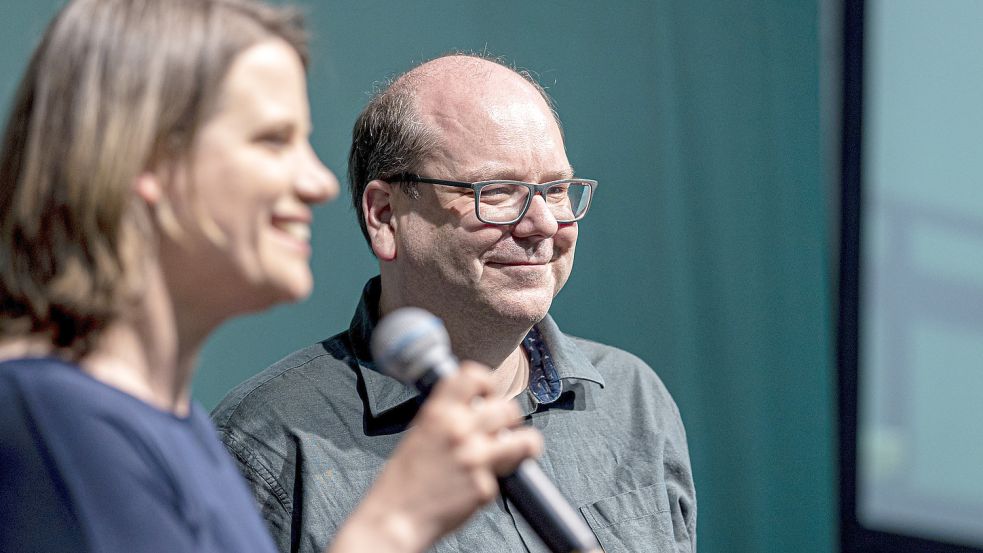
(156, 179)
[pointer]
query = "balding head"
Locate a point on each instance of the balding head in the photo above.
(465, 73)
(466, 78)
(409, 122)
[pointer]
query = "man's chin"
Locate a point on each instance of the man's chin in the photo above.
(525, 311)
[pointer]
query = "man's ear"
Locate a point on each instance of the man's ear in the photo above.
(377, 209)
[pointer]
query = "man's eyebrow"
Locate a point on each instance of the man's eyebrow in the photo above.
(498, 172)
(558, 175)
(567, 173)
(491, 171)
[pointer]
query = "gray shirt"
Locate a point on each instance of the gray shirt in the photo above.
(311, 432)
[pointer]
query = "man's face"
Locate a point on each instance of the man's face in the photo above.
(491, 127)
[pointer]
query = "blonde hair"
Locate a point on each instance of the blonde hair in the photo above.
(116, 87)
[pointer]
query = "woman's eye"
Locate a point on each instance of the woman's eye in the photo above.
(275, 139)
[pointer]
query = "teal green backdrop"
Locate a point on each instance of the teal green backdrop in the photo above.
(705, 252)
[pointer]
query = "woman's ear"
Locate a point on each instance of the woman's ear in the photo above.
(150, 187)
(377, 210)
(147, 185)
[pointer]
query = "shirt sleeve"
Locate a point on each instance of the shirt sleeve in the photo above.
(273, 501)
(680, 486)
(676, 469)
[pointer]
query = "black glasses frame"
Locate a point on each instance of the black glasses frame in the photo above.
(534, 189)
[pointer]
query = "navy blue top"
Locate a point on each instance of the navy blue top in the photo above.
(86, 467)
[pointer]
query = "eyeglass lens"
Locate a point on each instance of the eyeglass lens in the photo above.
(503, 202)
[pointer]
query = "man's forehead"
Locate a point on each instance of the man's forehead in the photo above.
(492, 123)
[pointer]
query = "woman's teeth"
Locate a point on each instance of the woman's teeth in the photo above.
(296, 229)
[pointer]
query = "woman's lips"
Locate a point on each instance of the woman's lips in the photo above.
(297, 229)
(295, 233)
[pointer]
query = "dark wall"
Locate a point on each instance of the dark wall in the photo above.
(704, 254)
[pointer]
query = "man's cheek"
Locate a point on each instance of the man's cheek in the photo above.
(566, 237)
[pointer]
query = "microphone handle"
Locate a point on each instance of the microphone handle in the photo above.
(427, 381)
(532, 493)
(546, 510)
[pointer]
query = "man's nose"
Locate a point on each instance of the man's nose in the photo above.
(538, 220)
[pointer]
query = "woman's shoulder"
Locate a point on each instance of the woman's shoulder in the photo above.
(130, 477)
(37, 516)
(54, 394)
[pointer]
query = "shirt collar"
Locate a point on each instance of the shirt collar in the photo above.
(384, 393)
(568, 360)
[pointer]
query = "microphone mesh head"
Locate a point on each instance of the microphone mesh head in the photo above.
(408, 342)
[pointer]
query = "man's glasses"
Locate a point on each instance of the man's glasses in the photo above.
(504, 202)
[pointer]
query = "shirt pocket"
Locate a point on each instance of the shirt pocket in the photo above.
(635, 521)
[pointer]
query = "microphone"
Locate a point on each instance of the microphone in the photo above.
(412, 345)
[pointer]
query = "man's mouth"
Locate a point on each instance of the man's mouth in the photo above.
(522, 263)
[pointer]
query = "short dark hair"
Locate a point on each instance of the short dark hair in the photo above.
(390, 137)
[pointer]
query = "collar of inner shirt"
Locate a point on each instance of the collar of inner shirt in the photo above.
(544, 382)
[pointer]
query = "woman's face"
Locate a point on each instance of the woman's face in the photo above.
(254, 178)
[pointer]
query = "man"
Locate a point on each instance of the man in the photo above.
(487, 257)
